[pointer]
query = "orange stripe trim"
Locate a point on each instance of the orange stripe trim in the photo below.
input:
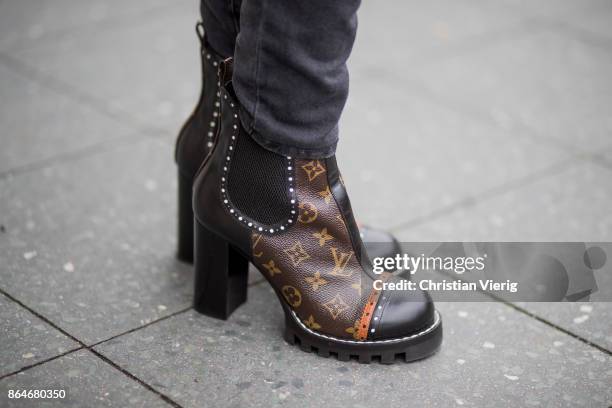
(368, 310)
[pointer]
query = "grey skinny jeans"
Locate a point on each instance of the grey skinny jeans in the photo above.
(290, 72)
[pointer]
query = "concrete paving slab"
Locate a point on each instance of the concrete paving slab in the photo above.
(90, 243)
(546, 82)
(593, 20)
(491, 356)
(27, 339)
(570, 206)
(157, 60)
(87, 381)
(26, 22)
(404, 157)
(608, 156)
(31, 132)
(398, 33)
(553, 9)
(590, 320)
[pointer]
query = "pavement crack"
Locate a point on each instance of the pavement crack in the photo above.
(133, 377)
(103, 146)
(473, 200)
(141, 327)
(41, 362)
(83, 346)
(64, 88)
(535, 317)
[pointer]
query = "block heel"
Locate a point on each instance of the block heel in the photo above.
(185, 219)
(221, 275)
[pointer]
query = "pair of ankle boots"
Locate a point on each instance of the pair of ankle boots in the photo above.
(291, 218)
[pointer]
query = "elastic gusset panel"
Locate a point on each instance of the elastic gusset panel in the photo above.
(257, 184)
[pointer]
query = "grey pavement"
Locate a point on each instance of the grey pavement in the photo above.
(27, 339)
(467, 121)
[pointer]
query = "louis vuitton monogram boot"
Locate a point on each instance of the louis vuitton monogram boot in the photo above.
(292, 219)
(195, 140)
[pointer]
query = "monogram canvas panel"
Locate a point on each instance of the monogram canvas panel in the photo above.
(313, 264)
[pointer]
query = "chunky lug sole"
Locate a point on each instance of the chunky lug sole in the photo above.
(410, 348)
(221, 280)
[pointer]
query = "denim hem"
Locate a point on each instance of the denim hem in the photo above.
(284, 149)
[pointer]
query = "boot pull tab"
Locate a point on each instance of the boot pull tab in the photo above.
(199, 28)
(226, 68)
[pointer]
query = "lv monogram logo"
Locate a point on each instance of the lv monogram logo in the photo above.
(326, 195)
(341, 259)
(296, 253)
(272, 268)
(316, 281)
(322, 236)
(313, 169)
(292, 295)
(308, 213)
(336, 306)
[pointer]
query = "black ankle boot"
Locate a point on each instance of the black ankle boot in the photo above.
(292, 219)
(196, 139)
